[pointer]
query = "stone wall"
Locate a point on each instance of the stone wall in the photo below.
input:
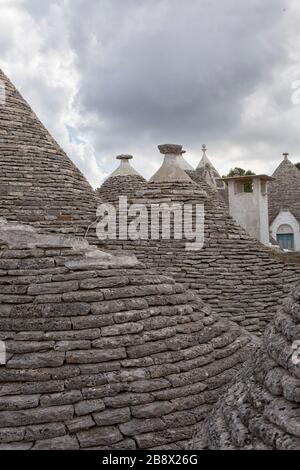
(236, 275)
(116, 186)
(101, 352)
(261, 409)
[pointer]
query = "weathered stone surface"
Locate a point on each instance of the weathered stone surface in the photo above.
(101, 391)
(36, 416)
(123, 181)
(57, 443)
(135, 427)
(95, 355)
(108, 390)
(80, 424)
(41, 183)
(89, 406)
(128, 399)
(44, 431)
(19, 402)
(109, 417)
(36, 360)
(152, 410)
(261, 408)
(284, 191)
(249, 278)
(12, 434)
(91, 321)
(105, 436)
(16, 446)
(72, 345)
(97, 341)
(52, 288)
(64, 398)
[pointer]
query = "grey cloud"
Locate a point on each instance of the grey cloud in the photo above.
(166, 70)
(185, 71)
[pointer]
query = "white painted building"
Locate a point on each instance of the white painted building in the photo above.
(248, 204)
(285, 229)
(284, 205)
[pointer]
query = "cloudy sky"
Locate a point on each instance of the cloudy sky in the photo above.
(122, 76)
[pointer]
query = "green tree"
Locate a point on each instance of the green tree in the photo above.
(241, 172)
(297, 165)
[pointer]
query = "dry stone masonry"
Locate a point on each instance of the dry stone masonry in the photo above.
(124, 181)
(236, 275)
(101, 352)
(130, 346)
(207, 172)
(261, 409)
(284, 192)
(38, 181)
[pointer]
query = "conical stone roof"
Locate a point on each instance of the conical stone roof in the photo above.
(240, 278)
(101, 352)
(284, 192)
(124, 181)
(183, 163)
(38, 182)
(205, 171)
(261, 410)
(172, 169)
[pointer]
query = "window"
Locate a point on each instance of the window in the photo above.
(240, 187)
(263, 188)
(285, 237)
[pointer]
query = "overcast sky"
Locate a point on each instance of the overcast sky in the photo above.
(122, 76)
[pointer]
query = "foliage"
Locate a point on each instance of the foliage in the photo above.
(241, 172)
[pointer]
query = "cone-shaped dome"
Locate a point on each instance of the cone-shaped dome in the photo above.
(38, 181)
(172, 168)
(125, 169)
(284, 192)
(124, 181)
(182, 163)
(207, 172)
(261, 409)
(239, 277)
(102, 353)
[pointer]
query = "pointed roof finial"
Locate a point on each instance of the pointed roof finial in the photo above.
(285, 155)
(125, 168)
(204, 149)
(170, 149)
(172, 168)
(124, 157)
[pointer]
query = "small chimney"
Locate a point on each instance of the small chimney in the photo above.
(248, 204)
(171, 170)
(125, 168)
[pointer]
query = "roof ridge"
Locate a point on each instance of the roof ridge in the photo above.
(38, 179)
(286, 164)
